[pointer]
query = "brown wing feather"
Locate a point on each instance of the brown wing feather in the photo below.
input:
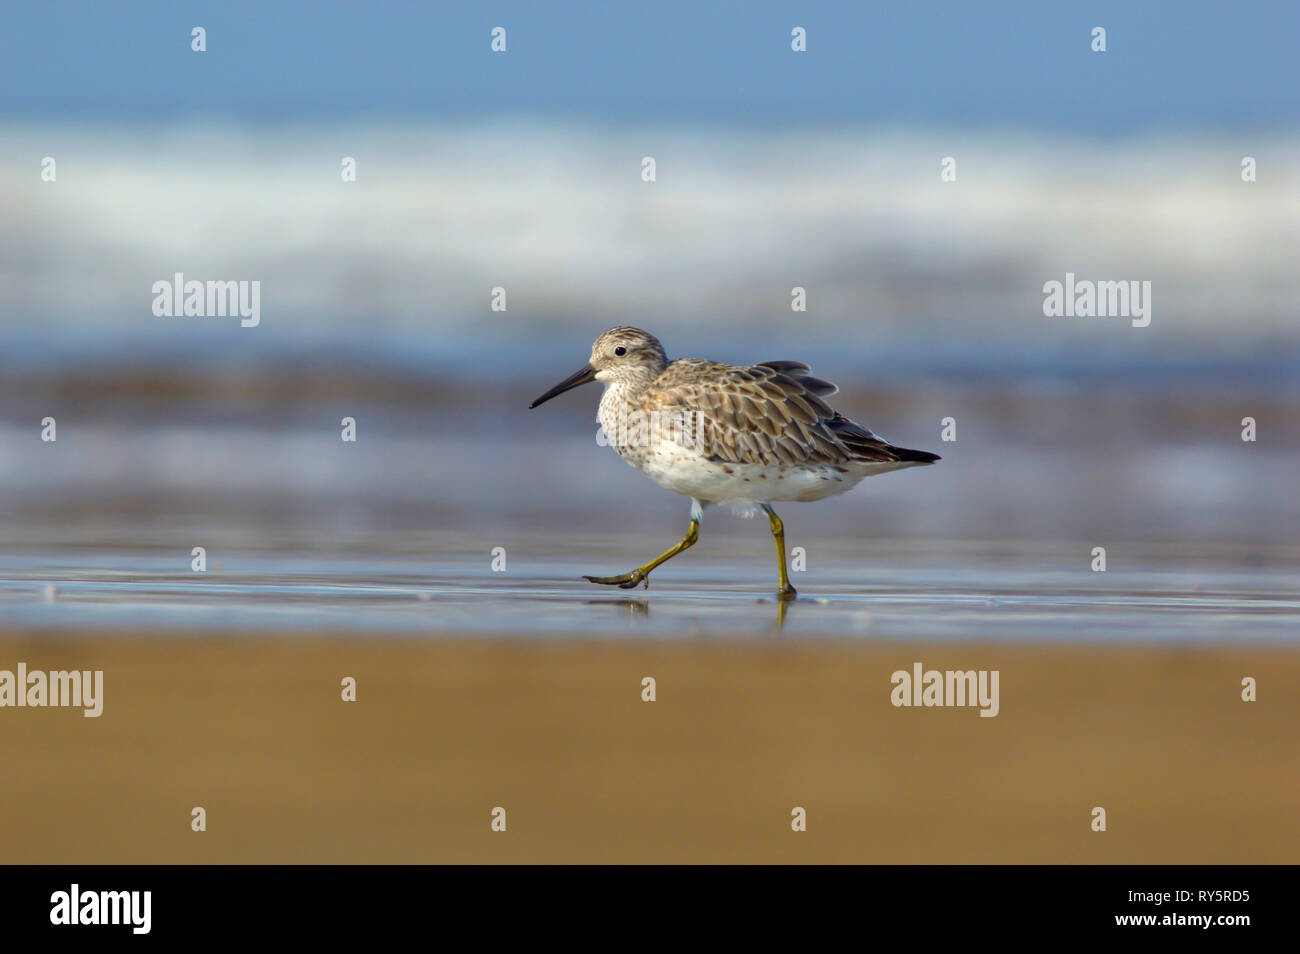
(771, 413)
(799, 370)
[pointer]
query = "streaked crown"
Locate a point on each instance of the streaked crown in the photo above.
(627, 353)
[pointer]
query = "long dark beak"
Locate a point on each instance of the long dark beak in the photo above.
(584, 376)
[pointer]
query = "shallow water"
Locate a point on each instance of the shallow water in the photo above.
(963, 595)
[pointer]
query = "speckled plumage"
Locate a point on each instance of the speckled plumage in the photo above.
(719, 433)
(733, 434)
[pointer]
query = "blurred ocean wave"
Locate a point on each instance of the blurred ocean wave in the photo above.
(559, 216)
(1070, 467)
(925, 302)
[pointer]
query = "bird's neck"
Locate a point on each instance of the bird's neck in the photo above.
(630, 385)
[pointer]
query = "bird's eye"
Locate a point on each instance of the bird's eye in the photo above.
(620, 351)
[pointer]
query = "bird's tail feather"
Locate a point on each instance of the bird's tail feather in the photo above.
(915, 456)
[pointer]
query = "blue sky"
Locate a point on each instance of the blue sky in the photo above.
(1026, 63)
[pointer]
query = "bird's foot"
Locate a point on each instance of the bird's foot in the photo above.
(787, 593)
(627, 581)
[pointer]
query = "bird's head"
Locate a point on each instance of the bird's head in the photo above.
(627, 355)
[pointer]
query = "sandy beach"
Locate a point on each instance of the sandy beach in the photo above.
(444, 730)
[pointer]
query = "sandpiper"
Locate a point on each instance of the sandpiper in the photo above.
(727, 434)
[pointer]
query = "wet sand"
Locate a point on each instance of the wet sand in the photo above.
(445, 729)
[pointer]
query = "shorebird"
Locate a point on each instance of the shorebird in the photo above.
(727, 434)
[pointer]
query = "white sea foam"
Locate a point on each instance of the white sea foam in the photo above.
(560, 217)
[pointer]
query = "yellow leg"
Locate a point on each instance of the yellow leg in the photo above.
(786, 591)
(642, 573)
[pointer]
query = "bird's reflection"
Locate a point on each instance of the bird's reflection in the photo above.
(635, 608)
(640, 608)
(782, 607)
